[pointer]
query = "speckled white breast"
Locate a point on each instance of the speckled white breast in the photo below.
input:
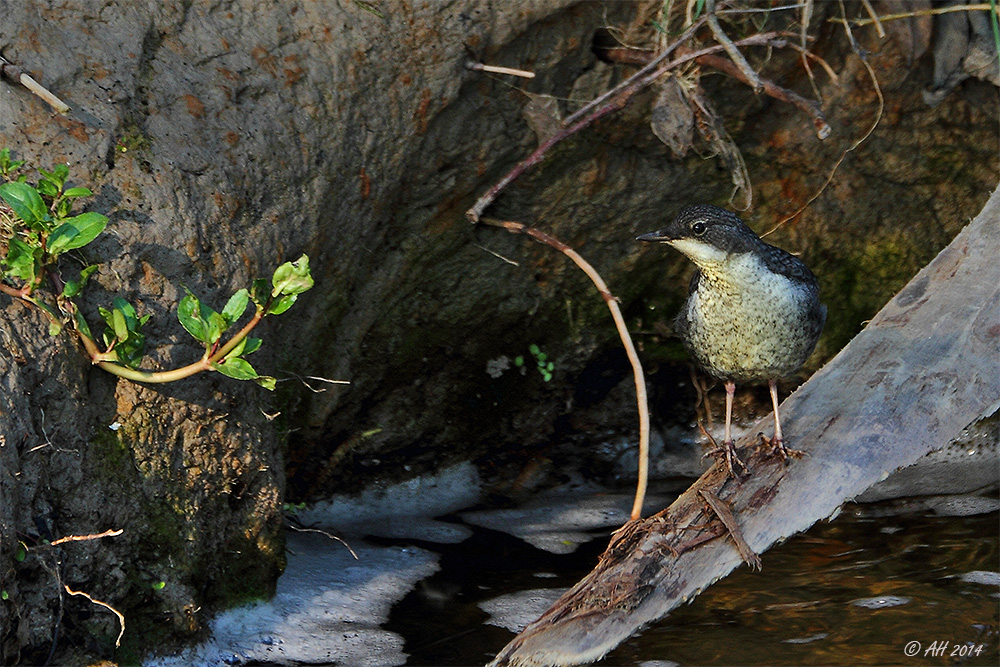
(746, 323)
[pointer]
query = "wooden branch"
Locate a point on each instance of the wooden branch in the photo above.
(772, 89)
(14, 73)
(612, 302)
(613, 100)
(749, 74)
(920, 372)
(707, 58)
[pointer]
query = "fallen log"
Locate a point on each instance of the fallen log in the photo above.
(924, 369)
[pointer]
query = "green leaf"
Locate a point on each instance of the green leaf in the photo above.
(236, 368)
(236, 306)
(119, 325)
(266, 381)
(6, 164)
(201, 321)
(21, 259)
(76, 232)
(128, 310)
(55, 322)
(73, 287)
(57, 176)
(217, 324)
(81, 324)
(26, 202)
(248, 345)
(77, 192)
(48, 188)
(252, 344)
(189, 314)
(278, 306)
(292, 278)
(124, 332)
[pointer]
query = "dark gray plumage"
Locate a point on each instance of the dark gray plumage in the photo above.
(753, 311)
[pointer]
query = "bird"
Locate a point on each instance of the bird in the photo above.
(752, 314)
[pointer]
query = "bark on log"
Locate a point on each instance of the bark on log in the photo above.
(923, 369)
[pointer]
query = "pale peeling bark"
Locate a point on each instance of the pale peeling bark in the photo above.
(920, 372)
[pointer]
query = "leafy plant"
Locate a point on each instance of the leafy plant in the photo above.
(545, 367)
(36, 228)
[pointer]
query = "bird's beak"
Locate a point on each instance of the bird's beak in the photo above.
(653, 236)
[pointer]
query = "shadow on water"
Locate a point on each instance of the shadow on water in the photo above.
(861, 590)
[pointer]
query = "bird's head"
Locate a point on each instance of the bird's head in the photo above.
(707, 234)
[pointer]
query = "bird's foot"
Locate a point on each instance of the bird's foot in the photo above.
(727, 451)
(776, 447)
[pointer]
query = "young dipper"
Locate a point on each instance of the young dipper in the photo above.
(752, 313)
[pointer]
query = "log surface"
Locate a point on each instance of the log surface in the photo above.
(923, 369)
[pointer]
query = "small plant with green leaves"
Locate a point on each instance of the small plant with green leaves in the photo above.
(36, 228)
(545, 367)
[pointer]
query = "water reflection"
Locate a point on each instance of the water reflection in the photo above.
(863, 589)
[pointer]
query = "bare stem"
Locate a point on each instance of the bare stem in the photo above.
(633, 357)
(930, 11)
(84, 538)
(121, 617)
(722, 38)
(159, 377)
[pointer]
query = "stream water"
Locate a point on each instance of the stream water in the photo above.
(436, 577)
(872, 587)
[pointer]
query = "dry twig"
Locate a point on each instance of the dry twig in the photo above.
(930, 11)
(297, 529)
(749, 74)
(616, 99)
(725, 515)
(496, 69)
(83, 538)
(772, 89)
(121, 618)
(13, 73)
(633, 357)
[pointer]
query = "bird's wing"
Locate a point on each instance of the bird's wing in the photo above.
(693, 285)
(681, 324)
(779, 261)
(819, 315)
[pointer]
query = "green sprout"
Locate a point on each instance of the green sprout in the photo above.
(545, 367)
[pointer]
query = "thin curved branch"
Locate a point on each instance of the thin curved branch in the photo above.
(633, 357)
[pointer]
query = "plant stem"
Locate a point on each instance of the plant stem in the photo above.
(633, 357)
(154, 377)
(159, 377)
(10, 291)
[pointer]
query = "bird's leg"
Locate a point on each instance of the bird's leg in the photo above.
(777, 443)
(728, 448)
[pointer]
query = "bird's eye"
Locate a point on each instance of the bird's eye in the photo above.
(699, 228)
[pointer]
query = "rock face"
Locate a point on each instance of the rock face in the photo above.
(223, 138)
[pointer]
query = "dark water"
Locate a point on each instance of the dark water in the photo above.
(856, 591)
